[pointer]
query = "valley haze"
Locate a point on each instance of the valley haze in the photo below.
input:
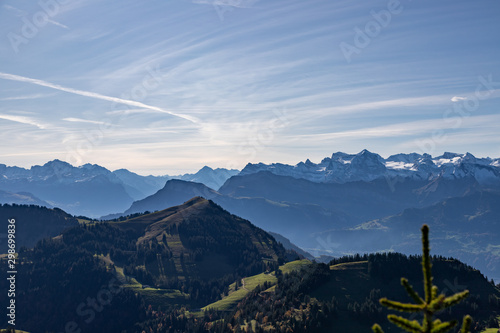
(341, 205)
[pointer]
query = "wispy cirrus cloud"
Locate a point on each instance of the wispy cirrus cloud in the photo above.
(231, 3)
(126, 112)
(57, 24)
(458, 99)
(24, 120)
(25, 97)
(16, 11)
(79, 120)
(407, 128)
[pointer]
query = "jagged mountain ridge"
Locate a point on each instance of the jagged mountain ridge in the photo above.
(87, 190)
(368, 166)
(147, 185)
(90, 189)
(213, 178)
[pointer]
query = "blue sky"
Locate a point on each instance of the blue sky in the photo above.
(165, 87)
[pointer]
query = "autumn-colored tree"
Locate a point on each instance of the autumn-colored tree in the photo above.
(428, 306)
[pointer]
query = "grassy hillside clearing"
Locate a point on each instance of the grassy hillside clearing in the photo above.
(250, 283)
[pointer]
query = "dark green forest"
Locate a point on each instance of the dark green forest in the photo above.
(153, 272)
(34, 222)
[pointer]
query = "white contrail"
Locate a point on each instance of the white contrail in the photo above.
(95, 95)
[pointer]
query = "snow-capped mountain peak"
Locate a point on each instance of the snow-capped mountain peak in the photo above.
(367, 166)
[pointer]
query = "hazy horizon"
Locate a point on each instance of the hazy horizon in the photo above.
(191, 170)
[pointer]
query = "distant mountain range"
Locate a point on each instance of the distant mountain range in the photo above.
(326, 217)
(147, 185)
(89, 190)
(95, 191)
(367, 166)
(345, 204)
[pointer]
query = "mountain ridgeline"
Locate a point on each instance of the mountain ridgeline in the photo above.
(95, 191)
(368, 166)
(90, 189)
(199, 239)
(335, 207)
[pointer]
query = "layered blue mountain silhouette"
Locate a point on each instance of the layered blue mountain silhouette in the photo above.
(346, 203)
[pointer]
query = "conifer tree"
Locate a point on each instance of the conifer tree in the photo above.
(428, 306)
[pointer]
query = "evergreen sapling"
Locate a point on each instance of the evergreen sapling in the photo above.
(428, 306)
